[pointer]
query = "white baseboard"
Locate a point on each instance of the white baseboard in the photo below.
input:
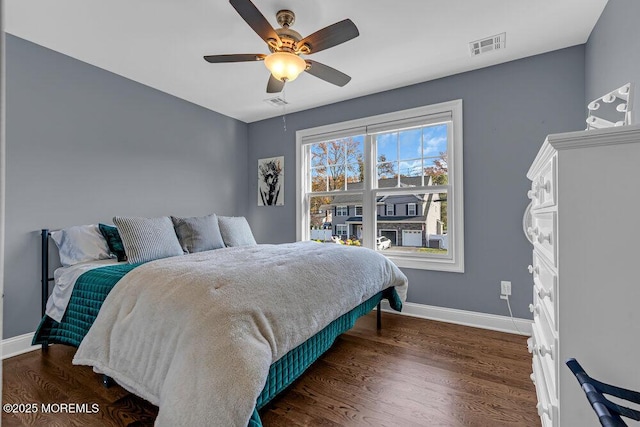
(22, 343)
(18, 345)
(463, 317)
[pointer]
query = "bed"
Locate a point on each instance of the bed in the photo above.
(289, 351)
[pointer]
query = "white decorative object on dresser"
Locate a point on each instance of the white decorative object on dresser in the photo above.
(584, 224)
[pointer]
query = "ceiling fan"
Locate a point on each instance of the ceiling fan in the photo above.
(286, 46)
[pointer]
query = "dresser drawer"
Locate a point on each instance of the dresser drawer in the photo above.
(543, 186)
(545, 287)
(546, 406)
(545, 306)
(544, 347)
(544, 226)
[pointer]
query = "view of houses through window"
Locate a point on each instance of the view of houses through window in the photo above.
(413, 217)
(386, 186)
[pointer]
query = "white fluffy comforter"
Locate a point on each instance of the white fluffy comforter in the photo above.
(196, 334)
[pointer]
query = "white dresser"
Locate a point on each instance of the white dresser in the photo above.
(584, 225)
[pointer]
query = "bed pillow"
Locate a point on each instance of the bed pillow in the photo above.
(146, 239)
(235, 231)
(80, 243)
(198, 233)
(114, 241)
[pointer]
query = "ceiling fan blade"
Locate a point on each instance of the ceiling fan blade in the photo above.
(256, 20)
(247, 57)
(330, 36)
(327, 73)
(274, 85)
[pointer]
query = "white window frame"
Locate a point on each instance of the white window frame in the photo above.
(389, 207)
(346, 228)
(452, 110)
(340, 210)
(355, 210)
(415, 209)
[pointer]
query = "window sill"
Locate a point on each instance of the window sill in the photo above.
(426, 263)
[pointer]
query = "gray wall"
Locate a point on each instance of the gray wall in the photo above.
(508, 110)
(612, 57)
(84, 145)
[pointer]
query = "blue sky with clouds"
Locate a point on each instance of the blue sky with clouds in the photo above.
(413, 143)
(407, 148)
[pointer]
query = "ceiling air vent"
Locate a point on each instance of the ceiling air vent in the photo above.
(488, 44)
(276, 102)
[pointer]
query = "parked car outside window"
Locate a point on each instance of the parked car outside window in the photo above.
(383, 243)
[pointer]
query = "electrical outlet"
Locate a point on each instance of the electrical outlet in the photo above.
(505, 288)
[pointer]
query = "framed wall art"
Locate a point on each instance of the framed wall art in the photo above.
(271, 181)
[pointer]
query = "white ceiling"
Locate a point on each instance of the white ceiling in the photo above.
(160, 43)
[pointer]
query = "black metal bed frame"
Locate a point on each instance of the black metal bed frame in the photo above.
(44, 275)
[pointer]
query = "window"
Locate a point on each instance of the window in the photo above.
(385, 166)
(390, 210)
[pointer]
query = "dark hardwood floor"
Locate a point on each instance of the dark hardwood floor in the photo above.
(413, 372)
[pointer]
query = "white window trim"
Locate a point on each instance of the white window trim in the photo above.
(340, 209)
(355, 210)
(386, 209)
(453, 263)
(415, 209)
(345, 227)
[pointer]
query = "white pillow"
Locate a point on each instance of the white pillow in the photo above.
(235, 231)
(80, 243)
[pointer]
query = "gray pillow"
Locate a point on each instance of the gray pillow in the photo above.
(146, 239)
(198, 233)
(235, 231)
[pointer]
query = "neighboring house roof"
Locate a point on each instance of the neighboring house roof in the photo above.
(355, 199)
(386, 219)
(389, 198)
(415, 181)
(346, 199)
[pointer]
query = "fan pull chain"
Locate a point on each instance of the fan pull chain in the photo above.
(284, 110)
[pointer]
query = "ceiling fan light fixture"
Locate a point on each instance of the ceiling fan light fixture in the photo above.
(285, 66)
(286, 45)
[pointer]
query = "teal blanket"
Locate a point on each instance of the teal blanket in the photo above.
(89, 293)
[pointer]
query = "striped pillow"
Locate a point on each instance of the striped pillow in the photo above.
(146, 239)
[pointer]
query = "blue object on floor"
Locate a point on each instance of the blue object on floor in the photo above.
(608, 412)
